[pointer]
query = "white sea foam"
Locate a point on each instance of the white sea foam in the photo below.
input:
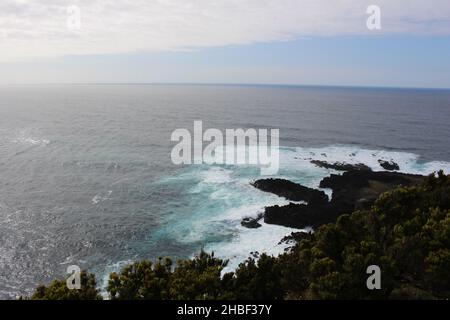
(32, 141)
(101, 197)
(26, 137)
(299, 159)
(216, 175)
(265, 239)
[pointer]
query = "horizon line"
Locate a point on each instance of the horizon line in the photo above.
(230, 84)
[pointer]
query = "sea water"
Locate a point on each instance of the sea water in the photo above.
(86, 176)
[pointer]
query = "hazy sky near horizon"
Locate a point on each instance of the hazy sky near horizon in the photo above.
(323, 42)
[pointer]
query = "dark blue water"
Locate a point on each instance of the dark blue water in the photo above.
(86, 176)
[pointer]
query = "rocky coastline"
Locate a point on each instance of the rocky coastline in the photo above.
(356, 188)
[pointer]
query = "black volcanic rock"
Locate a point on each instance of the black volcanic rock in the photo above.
(250, 223)
(297, 215)
(362, 184)
(340, 166)
(389, 165)
(301, 215)
(359, 189)
(353, 190)
(291, 191)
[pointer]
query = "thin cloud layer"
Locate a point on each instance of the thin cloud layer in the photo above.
(32, 29)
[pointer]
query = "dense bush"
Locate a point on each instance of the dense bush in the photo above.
(57, 290)
(406, 233)
(198, 278)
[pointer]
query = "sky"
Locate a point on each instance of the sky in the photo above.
(315, 42)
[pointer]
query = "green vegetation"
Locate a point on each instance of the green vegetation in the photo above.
(198, 278)
(57, 290)
(406, 233)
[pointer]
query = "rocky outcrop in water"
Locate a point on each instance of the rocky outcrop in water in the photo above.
(340, 166)
(389, 165)
(250, 223)
(291, 191)
(301, 215)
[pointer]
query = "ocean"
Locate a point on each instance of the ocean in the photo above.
(86, 176)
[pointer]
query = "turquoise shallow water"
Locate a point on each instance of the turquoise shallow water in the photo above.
(86, 177)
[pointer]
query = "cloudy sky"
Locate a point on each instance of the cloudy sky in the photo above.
(225, 41)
